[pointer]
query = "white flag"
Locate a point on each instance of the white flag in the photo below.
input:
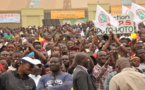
(139, 12)
(126, 10)
(103, 18)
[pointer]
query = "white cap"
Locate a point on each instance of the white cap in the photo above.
(36, 61)
(27, 60)
(122, 37)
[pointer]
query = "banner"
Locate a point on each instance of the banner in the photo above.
(67, 14)
(103, 18)
(10, 18)
(117, 10)
(125, 25)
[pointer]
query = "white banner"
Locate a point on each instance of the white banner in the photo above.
(125, 25)
(10, 18)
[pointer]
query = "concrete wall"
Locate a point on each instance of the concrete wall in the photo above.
(32, 16)
(92, 9)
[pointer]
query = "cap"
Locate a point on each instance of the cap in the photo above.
(133, 58)
(122, 37)
(36, 61)
(27, 60)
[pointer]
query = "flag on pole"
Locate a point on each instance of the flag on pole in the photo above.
(139, 12)
(103, 18)
(127, 11)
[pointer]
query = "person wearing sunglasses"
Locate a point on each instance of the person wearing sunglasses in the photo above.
(36, 71)
(57, 80)
(18, 79)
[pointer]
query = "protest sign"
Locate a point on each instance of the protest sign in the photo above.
(125, 25)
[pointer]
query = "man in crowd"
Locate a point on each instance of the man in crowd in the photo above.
(81, 79)
(57, 80)
(66, 61)
(101, 70)
(135, 62)
(36, 71)
(141, 54)
(128, 78)
(19, 79)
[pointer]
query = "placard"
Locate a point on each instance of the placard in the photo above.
(125, 25)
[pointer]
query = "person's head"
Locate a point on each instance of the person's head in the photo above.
(70, 44)
(56, 48)
(102, 57)
(5, 64)
(123, 40)
(16, 57)
(8, 32)
(65, 60)
(128, 48)
(139, 45)
(6, 56)
(38, 48)
(26, 65)
(25, 44)
(55, 64)
(48, 37)
(141, 54)
(142, 35)
(2, 41)
(82, 59)
(10, 47)
(114, 49)
(64, 49)
(37, 69)
(37, 45)
(47, 69)
(122, 63)
(135, 61)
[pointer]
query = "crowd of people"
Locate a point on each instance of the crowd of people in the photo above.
(71, 57)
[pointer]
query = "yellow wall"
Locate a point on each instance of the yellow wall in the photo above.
(32, 16)
(92, 9)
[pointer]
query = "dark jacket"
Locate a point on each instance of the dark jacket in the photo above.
(81, 80)
(11, 80)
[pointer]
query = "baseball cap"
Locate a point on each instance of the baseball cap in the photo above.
(38, 63)
(27, 60)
